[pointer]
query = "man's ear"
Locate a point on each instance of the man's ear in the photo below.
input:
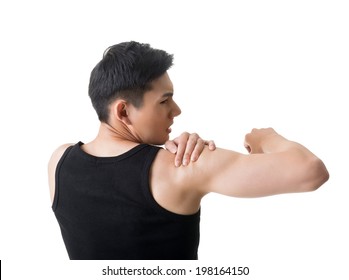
(120, 111)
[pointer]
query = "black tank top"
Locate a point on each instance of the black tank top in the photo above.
(105, 209)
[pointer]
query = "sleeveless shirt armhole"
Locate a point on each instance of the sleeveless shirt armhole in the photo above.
(149, 196)
(58, 167)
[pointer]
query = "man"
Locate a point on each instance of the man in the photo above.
(121, 197)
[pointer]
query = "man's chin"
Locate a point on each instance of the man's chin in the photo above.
(162, 141)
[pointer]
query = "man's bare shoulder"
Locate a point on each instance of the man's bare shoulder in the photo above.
(180, 189)
(192, 174)
(52, 164)
(167, 187)
(163, 166)
(57, 154)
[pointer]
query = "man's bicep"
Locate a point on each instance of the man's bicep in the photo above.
(238, 175)
(215, 172)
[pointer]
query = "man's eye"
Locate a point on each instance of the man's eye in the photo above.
(164, 101)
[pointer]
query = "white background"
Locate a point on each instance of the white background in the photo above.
(238, 65)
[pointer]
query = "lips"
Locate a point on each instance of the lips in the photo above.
(168, 130)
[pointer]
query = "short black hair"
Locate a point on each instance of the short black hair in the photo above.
(126, 70)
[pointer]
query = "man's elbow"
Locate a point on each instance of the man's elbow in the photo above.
(316, 173)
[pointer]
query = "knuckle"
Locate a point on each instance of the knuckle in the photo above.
(193, 140)
(200, 141)
(193, 137)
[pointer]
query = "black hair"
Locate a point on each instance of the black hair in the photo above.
(125, 71)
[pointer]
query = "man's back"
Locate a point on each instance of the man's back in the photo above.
(106, 210)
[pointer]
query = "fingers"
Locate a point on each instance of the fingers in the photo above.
(248, 142)
(171, 146)
(200, 145)
(197, 149)
(186, 146)
(247, 147)
(211, 145)
(180, 142)
(254, 140)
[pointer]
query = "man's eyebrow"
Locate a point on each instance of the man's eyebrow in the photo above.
(167, 94)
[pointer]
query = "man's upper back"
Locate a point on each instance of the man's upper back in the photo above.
(106, 210)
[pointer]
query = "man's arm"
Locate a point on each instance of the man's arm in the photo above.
(275, 165)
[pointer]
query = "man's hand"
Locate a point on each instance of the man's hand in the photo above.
(187, 147)
(264, 140)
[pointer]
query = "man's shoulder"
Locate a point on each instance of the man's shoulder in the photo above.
(52, 164)
(164, 170)
(59, 151)
(196, 176)
(56, 155)
(164, 161)
(168, 185)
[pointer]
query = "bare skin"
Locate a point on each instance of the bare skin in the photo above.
(274, 164)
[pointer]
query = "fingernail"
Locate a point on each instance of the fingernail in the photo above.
(177, 163)
(185, 162)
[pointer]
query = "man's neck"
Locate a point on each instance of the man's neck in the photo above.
(111, 140)
(116, 132)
